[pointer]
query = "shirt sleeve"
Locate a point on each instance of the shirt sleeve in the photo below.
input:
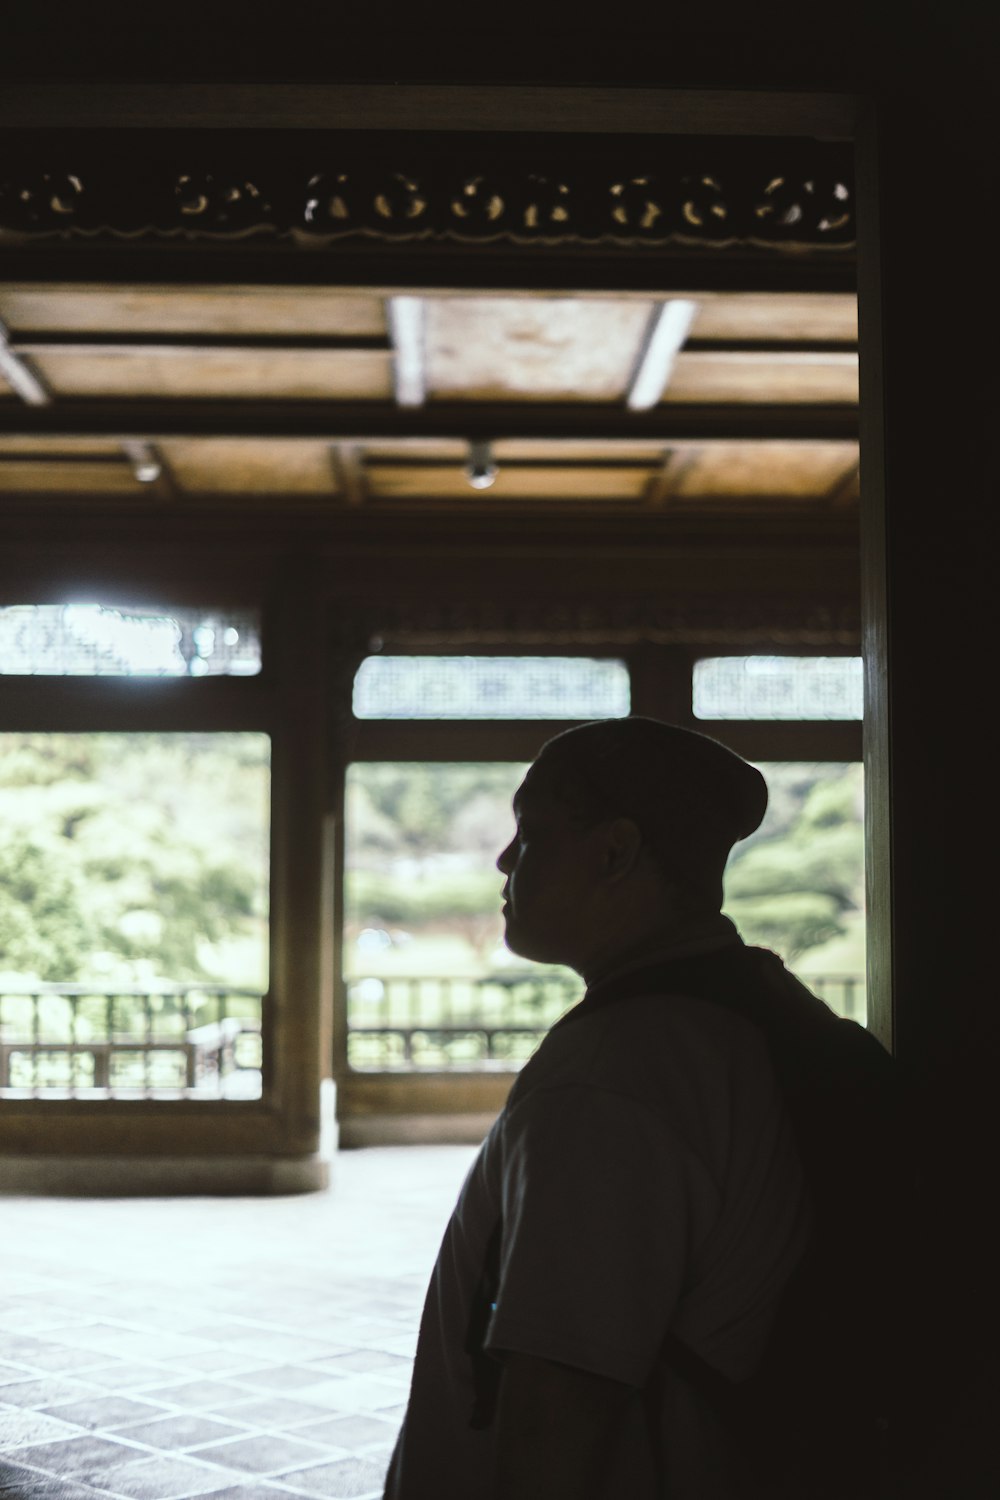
(602, 1204)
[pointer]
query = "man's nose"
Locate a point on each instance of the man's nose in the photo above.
(503, 859)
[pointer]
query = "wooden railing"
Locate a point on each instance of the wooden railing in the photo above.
(178, 1041)
(404, 1023)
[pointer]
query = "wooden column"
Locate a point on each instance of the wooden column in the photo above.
(928, 316)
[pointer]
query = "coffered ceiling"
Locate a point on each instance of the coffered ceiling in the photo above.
(402, 399)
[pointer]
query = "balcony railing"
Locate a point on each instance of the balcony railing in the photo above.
(60, 1041)
(402, 1024)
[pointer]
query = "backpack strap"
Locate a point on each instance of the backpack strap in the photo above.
(486, 1370)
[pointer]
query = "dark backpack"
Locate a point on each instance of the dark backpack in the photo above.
(840, 1395)
(859, 1366)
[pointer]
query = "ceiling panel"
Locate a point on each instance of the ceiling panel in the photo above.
(56, 446)
(225, 466)
(776, 315)
(89, 477)
(192, 309)
(440, 482)
(532, 349)
(351, 374)
(780, 378)
(746, 470)
(455, 450)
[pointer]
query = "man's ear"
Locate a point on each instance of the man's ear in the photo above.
(622, 843)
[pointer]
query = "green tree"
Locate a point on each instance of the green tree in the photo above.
(130, 856)
(793, 884)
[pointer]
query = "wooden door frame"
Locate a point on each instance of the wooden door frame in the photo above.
(566, 109)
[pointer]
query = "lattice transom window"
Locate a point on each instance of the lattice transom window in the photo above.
(779, 687)
(491, 687)
(93, 640)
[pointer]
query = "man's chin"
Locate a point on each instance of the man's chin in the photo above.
(521, 944)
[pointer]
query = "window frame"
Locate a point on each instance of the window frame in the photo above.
(271, 702)
(661, 686)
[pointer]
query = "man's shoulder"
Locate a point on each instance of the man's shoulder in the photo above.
(642, 1044)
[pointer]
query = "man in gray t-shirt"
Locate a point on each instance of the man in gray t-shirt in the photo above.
(643, 1176)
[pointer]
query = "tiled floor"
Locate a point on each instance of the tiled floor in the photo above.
(247, 1349)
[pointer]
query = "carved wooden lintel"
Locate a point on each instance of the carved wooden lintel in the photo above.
(329, 188)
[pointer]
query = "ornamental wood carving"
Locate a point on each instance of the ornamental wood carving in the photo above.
(674, 190)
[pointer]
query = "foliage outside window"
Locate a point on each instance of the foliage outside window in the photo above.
(133, 912)
(430, 983)
(798, 884)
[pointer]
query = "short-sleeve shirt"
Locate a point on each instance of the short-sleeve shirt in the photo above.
(647, 1179)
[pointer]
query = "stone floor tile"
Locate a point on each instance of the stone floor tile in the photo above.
(324, 1392)
(327, 1287)
(104, 1341)
(125, 1375)
(74, 1457)
(393, 1413)
(104, 1411)
(229, 1333)
(11, 1473)
(198, 1395)
(53, 1358)
(347, 1479)
(363, 1362)
(254, 1491)
(279, 1377)
(184, 1430)
(47, 1488)
(282, 1345)
(163, 1478)
(358, 1393)
(19, 1427)
(264, 1453)
(270, 1412)
(220, 1362)
(351, 1432)
(32, 1391)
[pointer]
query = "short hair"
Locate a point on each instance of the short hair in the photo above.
(691, 797)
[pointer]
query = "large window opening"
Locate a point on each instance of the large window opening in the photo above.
(430, 985)
(134, 893)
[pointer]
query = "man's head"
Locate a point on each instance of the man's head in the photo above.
(623, 825)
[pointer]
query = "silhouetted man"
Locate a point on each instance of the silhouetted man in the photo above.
(643, 1182)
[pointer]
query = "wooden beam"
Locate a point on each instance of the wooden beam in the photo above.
(805, 347)
(30, 342)
(367, 421)
(523, 108)
(678, 271)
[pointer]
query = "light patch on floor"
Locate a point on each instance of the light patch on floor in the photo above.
(243, 1348)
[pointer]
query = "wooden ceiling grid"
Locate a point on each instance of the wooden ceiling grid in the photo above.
(300, 398)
